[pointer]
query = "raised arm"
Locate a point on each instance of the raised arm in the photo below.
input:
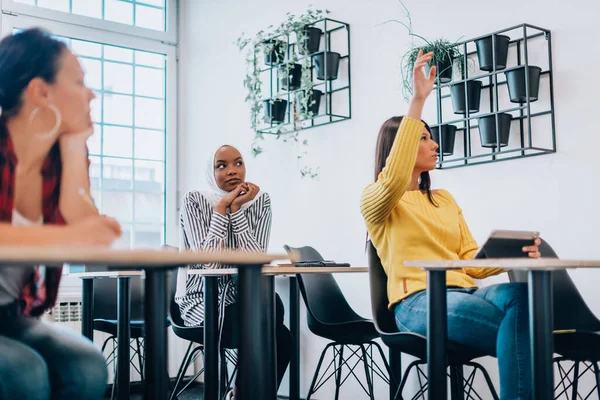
(379, 198)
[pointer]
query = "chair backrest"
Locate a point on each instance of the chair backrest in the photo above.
(324, 300)
(383, 317)
(105, 297)
(570, 309)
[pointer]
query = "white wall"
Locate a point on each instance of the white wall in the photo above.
(554, 194)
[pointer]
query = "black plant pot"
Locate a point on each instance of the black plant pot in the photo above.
(312, 40)
(484, 52)
(515, 79)
(448, 136)
(275, 112)
(290, 80)
(274, 51)
(314, 107)
(457, 92)
(333, 64)
(444, 70)
(487, 130)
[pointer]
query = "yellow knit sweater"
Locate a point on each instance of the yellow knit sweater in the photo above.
(404, 225)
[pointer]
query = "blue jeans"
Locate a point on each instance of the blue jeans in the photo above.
(493, 320)
(40, 361)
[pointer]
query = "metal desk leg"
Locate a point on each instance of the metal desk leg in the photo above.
(295, 329)
(87, 309)
(123, 336)
(541, 325)
(437, 333)
(211, 338)
(155, 313)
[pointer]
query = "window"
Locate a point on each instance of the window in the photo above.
(132, 171)
(149, 14)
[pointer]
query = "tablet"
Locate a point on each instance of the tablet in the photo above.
(506, 244)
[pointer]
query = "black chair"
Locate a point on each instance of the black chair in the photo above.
(195, 335)
(105, 319)
(576, 330)
(416, 345)
(330, 316)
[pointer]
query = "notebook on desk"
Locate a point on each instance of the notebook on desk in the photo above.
(506, 244)
(321, 263)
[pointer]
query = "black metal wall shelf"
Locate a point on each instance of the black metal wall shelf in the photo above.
(523, 137)
(334, 104)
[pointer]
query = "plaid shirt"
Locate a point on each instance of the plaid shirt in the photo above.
(39, 294)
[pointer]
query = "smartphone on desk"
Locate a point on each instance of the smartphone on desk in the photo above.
(506, 244)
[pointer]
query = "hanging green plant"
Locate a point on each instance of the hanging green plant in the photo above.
(273, 46)
(446, 53)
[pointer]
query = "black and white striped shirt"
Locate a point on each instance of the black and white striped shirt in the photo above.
(204, 229)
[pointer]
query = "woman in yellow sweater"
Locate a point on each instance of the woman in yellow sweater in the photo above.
(406, 220)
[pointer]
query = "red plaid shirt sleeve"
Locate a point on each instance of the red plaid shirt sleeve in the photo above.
(39, 294)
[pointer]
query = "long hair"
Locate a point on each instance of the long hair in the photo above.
(385, 141)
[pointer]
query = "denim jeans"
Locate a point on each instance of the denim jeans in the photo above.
(493, 320)
(41, 361)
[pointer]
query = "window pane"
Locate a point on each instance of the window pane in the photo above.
(59, 5)
(89, 8)
(150, 59)
(149, 144)
(149, 113)
(118, 54)
(118, 109)
(149, 17)
(117, 174)
(118, 77)
(118, 11)
(149, 176)
(95, 140)
(84, 48)
(93, 72)
(148, 236)
(149, 82)
(117, 141)
(30, 2)
(158, 3)
(149, 207)
(118, 205)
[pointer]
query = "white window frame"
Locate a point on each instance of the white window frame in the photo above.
(9, 22)
(12, 7)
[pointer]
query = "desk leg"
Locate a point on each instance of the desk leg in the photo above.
(540, 327)
(253, 379)
(87, 309)
(155, 314)
(123, 336)
(295, 329)
(270, 336)
(395, 360)
(437, 333)
(211, 338)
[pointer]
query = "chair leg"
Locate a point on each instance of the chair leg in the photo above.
(140, 358)
(182, 368)
(338, 375)
(488, 380)
(367, 374)
(316, 375)
(412, 365)
(597, 376)
(575, 390)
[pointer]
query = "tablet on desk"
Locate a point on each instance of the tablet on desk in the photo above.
(506, 244)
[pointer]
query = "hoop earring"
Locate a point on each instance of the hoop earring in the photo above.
(56, 127)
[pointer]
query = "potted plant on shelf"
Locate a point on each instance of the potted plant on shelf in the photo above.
(457, 93)
(446, 54)
(485, 55)
(448, 136)
(515, 78)
(295, 73)
(487, 129)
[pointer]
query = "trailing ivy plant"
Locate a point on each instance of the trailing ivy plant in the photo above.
(274, 40)
(443, 50)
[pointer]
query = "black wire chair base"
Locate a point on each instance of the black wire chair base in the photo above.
(462, 388)
(137, 346)
(360, 353)
(191, 355)
(569, 379)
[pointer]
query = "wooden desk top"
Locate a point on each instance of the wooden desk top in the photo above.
(22, 255)
(543, 264)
